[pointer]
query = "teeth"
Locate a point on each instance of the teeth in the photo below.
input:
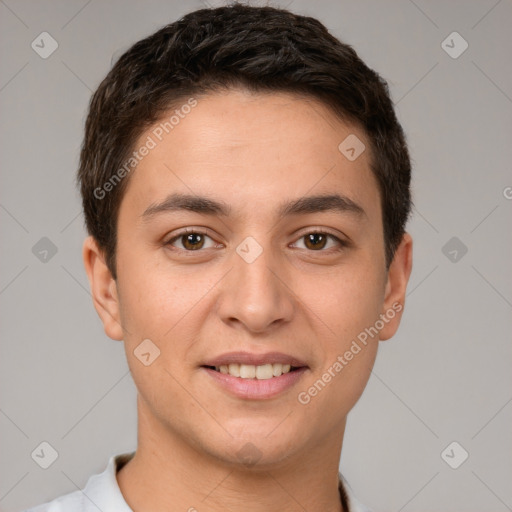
(234, 369)
(247, 371)
(264, 372)
(250, 371)
(277, 369)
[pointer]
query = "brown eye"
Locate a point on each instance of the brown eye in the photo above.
(319, 241)
(191, 241)
(316, 241)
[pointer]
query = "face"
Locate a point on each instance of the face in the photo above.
(248, 243)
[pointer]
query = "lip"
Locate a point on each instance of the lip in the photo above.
(255, 389)
(255, 359)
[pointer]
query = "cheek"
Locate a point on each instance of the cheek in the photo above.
(346, 307)
(162, 308)
(345, 301)
(154, 302)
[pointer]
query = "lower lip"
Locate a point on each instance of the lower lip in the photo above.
(256, 389)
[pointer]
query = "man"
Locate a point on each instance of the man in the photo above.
(245, 185)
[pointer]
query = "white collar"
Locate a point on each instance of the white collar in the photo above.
(102, 492)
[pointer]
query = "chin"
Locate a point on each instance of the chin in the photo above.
(257, 450)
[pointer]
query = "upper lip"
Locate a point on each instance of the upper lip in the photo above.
(254, 359)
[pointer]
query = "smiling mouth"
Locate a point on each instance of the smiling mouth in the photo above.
(250, 371)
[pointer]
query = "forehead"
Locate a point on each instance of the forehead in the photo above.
(252, 150)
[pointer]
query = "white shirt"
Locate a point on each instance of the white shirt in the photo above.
(102, 493)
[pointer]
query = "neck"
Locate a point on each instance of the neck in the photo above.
(168, 474)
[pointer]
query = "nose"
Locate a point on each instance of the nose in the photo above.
(256, 295)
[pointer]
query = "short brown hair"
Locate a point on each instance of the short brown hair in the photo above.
(263, 49)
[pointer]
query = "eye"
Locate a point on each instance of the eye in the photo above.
(319, 241)
(191, 240)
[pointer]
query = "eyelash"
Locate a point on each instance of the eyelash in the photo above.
(342, 243)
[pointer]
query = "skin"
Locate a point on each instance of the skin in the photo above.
(252, 151)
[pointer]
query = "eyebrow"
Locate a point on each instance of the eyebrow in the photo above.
(303, 205)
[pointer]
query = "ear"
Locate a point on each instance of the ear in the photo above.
(103, 289)
(396, 286)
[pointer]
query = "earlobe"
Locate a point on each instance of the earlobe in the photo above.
(103, 289)
(396, 287)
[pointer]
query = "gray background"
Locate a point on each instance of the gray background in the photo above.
(446, 376)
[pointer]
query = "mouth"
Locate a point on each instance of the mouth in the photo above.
(251, 371)
(255, 376)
